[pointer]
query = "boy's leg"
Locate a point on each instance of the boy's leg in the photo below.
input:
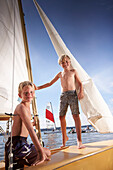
(63, 128)
(78, 130)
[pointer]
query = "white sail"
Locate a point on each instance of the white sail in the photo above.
(50, 122)
(15, 65)
(13, 68)
(93, 105)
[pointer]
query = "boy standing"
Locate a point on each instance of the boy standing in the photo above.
(68, 97)
(23, 153)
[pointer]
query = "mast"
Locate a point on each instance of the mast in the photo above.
(28, 63)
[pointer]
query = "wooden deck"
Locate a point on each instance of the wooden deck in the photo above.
(96, 156)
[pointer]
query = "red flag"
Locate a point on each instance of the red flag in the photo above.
(49, 116)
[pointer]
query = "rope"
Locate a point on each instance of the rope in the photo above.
(13, 58)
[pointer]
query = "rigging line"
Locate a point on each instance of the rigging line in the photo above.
(13, 73)
(3, 97)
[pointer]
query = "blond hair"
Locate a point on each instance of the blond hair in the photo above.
(24, 83)
(62, 58)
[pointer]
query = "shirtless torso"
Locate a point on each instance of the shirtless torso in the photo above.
(67, 80)
(19, 128)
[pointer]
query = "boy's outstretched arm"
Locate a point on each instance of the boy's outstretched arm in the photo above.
(48, 84)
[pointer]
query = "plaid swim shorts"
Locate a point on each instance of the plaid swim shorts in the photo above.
(69, 98)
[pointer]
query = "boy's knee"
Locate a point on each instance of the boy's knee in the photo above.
(76, 116)
(62, 118)
(47, 152)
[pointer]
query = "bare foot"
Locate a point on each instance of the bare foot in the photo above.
(64, 141)
(80, 145)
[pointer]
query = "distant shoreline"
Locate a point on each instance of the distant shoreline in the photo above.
(59, 128)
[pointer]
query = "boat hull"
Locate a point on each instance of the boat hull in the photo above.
(2, 134)
(52, 132)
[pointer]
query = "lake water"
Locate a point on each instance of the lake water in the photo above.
(55, 140)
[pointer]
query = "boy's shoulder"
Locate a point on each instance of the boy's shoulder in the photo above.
(19, 108)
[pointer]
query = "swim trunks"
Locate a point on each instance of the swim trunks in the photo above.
(69, 98)
(23, 153)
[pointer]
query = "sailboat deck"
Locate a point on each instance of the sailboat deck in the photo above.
(97, 155)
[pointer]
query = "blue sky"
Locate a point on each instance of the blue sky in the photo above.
(86, 27)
